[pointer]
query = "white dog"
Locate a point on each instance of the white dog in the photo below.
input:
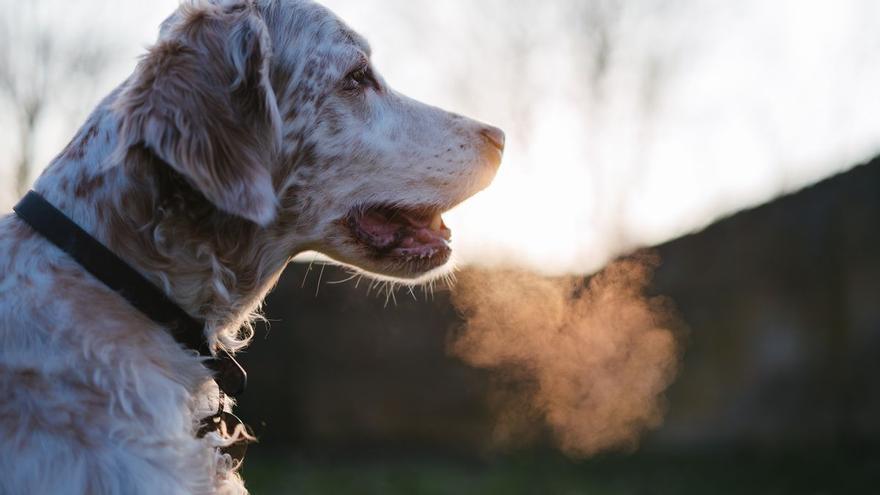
(253, 130)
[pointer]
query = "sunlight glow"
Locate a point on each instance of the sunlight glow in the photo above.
(629, 123)
(702, 110)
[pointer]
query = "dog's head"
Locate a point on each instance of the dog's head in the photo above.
(273, 111)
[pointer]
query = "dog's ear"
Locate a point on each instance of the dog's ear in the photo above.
(201, 101)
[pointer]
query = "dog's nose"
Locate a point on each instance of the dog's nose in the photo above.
(495, 136)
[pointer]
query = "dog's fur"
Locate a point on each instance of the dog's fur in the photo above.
(237, 143)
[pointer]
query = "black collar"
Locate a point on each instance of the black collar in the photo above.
(116, 274)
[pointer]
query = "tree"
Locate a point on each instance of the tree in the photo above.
(44, 66)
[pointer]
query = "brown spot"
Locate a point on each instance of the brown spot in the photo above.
(87, 185)
(76, 150)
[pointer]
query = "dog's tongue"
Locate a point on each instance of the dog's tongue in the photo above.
(406, 230)
(381, 230)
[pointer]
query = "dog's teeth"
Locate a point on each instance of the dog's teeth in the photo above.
(437, 222)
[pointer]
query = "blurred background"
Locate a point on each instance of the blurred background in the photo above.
(736, 140)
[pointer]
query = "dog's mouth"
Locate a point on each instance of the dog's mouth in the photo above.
(403, 234)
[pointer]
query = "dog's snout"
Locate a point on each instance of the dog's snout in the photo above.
(494, 136)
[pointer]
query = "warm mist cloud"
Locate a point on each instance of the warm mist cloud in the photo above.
(590, 360)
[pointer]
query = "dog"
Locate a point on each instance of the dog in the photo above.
(251, 131)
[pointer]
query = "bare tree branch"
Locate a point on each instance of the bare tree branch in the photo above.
(41, 68)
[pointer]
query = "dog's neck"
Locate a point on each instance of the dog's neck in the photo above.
(215, 266)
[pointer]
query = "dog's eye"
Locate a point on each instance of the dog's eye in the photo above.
(358, 79)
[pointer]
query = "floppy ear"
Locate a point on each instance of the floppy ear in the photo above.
(201, 101)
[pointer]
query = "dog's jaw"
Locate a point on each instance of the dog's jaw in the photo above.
(403, 242)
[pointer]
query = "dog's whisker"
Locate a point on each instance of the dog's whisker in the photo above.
(351, 277)
(373, 285)
(308, 271)
(320, 276)
(390, 293)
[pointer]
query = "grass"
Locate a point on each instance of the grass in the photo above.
(801, 473)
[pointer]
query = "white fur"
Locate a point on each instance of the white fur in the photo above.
(98, 399)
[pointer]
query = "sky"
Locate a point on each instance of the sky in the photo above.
(629, 122)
